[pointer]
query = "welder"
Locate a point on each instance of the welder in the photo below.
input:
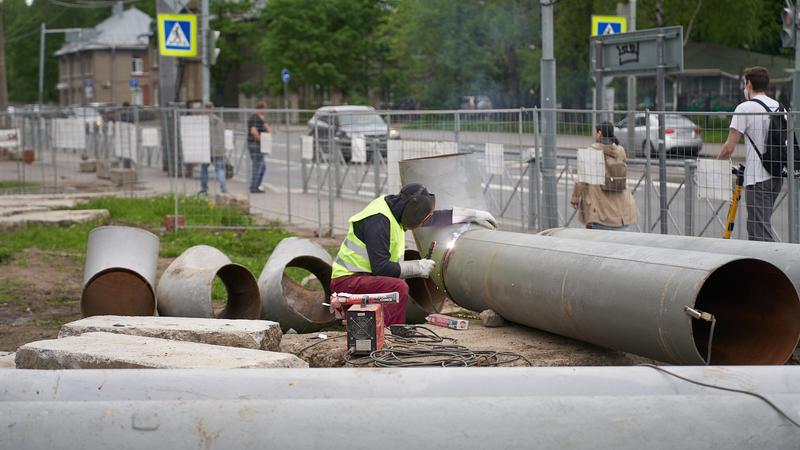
(370, 259)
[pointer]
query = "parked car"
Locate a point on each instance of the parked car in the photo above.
(344, 122)
(89, 114)
(683, 138)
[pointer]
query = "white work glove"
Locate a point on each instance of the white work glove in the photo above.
(482, 218)
(417, 268)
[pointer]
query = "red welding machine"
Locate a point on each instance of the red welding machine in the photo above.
(363, 319)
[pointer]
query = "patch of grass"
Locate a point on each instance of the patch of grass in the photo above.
(150, 212)
(52, 324)
(61, 300)
(14, 185)
(8, 291)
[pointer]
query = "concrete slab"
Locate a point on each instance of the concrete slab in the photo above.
(254, 334)
(7, 360)
(119, 351)
(6, 211)
(122, 177)
(87, 166)
(60, 217)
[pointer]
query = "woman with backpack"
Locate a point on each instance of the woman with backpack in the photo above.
(607, 206)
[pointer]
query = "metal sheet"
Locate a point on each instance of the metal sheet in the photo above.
(184, 289)
(120, 272)
(626, 297)
(784, 256)
(578, 407)
(288, 303)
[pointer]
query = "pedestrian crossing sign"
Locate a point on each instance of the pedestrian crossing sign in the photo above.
(177, 35)
(602, 25)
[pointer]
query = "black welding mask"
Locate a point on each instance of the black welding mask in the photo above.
(419, 205)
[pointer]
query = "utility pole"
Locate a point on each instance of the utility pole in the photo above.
(631, 85)
(204, 58)
(44, 32)
(794, 207)
(548, 94)
(3, 81)
(167, 90)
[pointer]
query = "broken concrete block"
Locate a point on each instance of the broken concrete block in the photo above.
(62, 218)
(119, 351)
(122, 177)
(255, 334)
(103, 168)
(88, 166)
(491, 319)
(7, 360)
(236, 201)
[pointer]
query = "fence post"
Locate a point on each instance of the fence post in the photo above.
(522, 159)
(648, 179)
(175, 171)
(534, 205)
(288, 161)
(303, 168)
(690, 167)
(794, 231)
(457, 131)
(331, 174)
(377, 161)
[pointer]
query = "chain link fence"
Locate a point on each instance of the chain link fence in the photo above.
(314, 169)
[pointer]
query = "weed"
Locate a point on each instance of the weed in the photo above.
(52, 324)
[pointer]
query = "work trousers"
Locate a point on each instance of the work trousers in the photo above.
(393, 313)
(760, 199)
(257, 165)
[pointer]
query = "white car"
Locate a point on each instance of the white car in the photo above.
(683, 138)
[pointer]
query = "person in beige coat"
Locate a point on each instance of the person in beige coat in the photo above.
(603, 206)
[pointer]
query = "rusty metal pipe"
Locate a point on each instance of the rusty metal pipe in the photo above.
(120, 272)
(184, 289)
(626, 297)
(285, 301)
(784, 256)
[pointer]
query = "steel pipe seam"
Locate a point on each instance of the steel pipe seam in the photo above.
(286, 302)
(531, 280)
(120, 272)
(185, 287)
(784, 256)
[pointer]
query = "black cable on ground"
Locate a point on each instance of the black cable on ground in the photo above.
(722, 388)
(317, 343)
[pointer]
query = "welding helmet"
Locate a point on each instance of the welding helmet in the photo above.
(419, 205)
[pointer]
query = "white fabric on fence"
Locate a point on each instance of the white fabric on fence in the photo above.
(494, 159)
(9, 138)
(266, 143)
(125, 140)
(398, 150)
(591, 166)
(69, 133)
(307, 147)
(150, 137)
(229, 141)
(196, 139)
(358, 149)
(714, 179)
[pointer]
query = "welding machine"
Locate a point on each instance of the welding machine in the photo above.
(363, 319)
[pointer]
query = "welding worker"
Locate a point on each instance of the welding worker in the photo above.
(370, 260)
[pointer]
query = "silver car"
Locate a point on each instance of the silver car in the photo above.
(683, 138)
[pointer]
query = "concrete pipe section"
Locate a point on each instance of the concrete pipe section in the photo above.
(784, 256)
(676, 306)
(538, 407)
(120, 272)
(285, 301)
(184, 289)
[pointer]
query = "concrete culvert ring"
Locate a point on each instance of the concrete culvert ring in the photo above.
(285, 301)
(185, 287)
(120, 272)
(757, 314)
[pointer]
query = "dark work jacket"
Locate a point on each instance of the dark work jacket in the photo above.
(374, 232)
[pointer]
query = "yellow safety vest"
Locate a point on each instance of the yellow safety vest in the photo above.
(352, 257)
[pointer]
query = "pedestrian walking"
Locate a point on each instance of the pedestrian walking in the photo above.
(217, 135)
(255, 126)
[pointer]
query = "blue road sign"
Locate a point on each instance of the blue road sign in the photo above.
(134, 83)
(88, 83)
(285, 76)
(605, 25)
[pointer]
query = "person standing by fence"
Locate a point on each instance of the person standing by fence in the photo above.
(255, 126)
(217, 133)
(608, 206)
(751, 119)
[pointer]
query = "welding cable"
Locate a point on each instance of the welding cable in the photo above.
(723, 388)
(317, 343)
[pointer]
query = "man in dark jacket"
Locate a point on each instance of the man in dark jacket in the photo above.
(370, 260)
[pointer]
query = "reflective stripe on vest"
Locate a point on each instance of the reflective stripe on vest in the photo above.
(353, 257)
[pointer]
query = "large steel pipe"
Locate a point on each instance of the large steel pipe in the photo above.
(120, 272)
(784, 256)
(287, 302)
(626, 297)
(579, 407)
(184, 289)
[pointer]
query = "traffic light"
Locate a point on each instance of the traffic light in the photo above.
(213, 51)
(789, 18)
